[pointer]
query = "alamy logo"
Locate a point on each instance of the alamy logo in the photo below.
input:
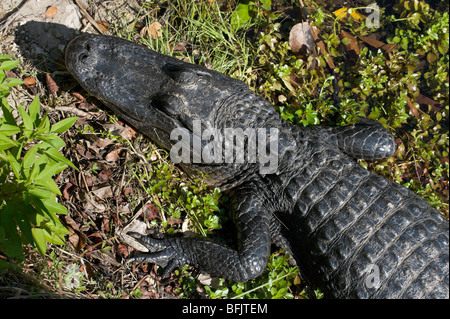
(373, 277)
(373, 19)
(211, 146)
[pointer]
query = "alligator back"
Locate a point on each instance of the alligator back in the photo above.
(360, 235)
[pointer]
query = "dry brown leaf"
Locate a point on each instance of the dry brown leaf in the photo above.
(91, 205)
(321, 45)
(112, 156)
(51, 12)
(104, 192)
(301, 40)
(103, 25)
(67, 189)
(29, 81)
(413, 109)
(352, 46)
(378, 44)
(122, 250)
(120, 130)
(79, 96)
(422, 99)
(182, 46)
(51, 85)
(151, 211)
(155, 30)
(105, 174)
(103, 142)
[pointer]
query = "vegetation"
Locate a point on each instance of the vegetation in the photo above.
(396, 74)
(386, 84)
(29, 158)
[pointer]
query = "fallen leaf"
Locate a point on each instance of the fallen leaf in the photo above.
(422, 99)
(182, 46)
(103, 193)
(105, 225)
(127, 191)
(91, 205)
(151, 211)
(413, 109)
(51, 85)
(386, 47)
(51, 12)
(122, 250)
(321, 45)
(85, 106)
(125, 132)
(68, 188)
(113, 156)
(155, 30)
(352, 46)
(79, 96)
(29, 81)
(103, 25)
(103, 142)
(301, 40)
(105, 174)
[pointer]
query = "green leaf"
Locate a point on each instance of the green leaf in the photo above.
(63, 125)
(54, 207)
(8, 129)
(56, 156)
(5, 57)
(44, 126)
(30, 157)
(14, 164)
(48, 184)
(240, 16)
(6, 142)
(52, 235)
(39, 239)
(8, 65)
(53, 140)
(24, 224)
(34, 110)
(13, 82)
(8, 117)
(27, 122)
(12, 246)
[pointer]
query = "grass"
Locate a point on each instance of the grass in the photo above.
(147, 182)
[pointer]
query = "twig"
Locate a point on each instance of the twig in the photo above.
(87, 16)
(9, 18)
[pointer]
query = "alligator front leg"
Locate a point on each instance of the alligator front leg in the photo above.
(248, 262)
(366, 139)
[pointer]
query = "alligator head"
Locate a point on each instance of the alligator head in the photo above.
(158, 94)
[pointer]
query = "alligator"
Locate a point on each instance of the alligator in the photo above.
(353, 233)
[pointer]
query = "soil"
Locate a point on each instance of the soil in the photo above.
(101, 198)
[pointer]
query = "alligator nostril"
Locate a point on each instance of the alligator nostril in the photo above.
(88, 46)
(83, 57)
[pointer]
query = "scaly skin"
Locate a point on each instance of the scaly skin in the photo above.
(335, 218)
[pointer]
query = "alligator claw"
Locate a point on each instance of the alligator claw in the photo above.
(161, 253)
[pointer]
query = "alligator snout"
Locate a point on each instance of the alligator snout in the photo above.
(81, 53)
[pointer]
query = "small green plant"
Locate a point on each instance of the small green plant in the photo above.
(248, 11)
(29, 158)
(274, 283)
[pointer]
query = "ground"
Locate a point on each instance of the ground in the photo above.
(125, 182)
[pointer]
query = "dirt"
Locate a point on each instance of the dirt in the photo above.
(101, 197)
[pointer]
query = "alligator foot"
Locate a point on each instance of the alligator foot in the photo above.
(163, 252)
